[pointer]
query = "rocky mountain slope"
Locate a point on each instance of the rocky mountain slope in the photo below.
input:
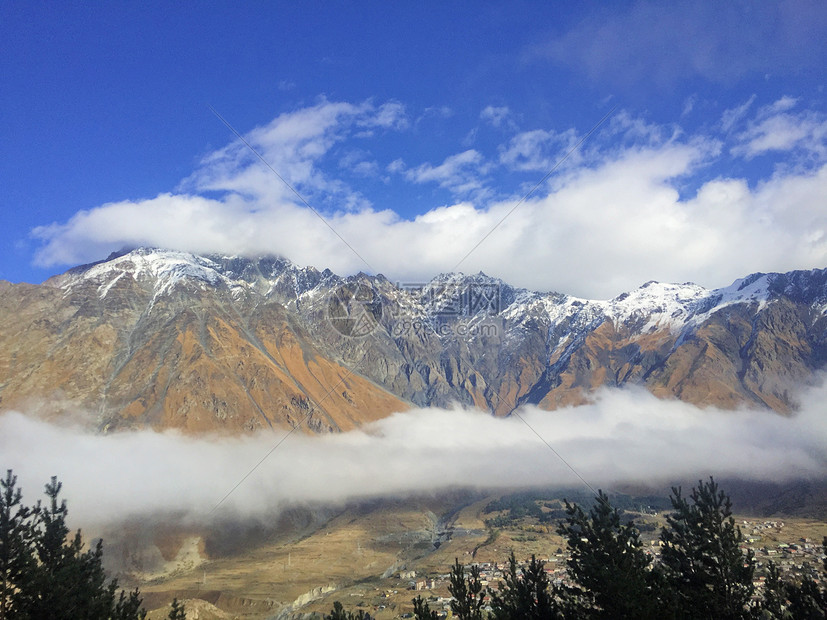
(162, 339)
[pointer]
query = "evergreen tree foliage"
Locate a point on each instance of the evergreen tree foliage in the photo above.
(17, 561)
(774, 599)
(704, 566)
(128, 606)
(524, 595)
(608, 565)
(47, 575)
(177, 610)
(338, 613)
(467, 593)
(806, 600)
(422, 611)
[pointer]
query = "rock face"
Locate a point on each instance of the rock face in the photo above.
(163, 339)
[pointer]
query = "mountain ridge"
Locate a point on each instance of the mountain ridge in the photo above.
(161, 338)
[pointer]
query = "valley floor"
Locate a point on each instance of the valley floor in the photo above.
(379, 555)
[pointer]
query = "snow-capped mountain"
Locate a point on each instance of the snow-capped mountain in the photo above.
(204, 343)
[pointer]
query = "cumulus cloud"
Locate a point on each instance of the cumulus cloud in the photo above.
(625, 436)
(615, 216)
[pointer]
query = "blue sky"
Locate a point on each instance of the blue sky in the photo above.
(414, 128)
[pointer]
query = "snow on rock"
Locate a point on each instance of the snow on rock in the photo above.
(162, 269)
(451, 296)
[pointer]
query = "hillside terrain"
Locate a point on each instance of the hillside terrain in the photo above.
(162, 339)
(377, 556)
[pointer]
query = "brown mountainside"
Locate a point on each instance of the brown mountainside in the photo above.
(161, 339)
(194, 359)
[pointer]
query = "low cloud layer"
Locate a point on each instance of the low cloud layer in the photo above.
(625, 436)
(635, 203)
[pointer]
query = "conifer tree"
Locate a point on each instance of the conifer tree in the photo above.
(422, 611)
(17, 561)
(525, 594)
(702, 561)
(467, 593)
(806, 599)
(607, 564)
(774, 599)
(128, 606)
(338, 613)
(48, 575)
(69, 583)
(177, 611)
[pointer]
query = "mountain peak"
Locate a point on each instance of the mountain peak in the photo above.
(169, 338)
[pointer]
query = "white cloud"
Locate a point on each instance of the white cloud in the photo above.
(365, 169)
(734, 115)
(391, 115)
(777, 128)
(537, 150)
(396, 166)
(625, 436)
(631, 130)
(783, 104)
(531, 150)
(460, 173)
(611, 219)
(294, 144)
(497, 116)
(442, 111)
(779, 133)
(358, 163)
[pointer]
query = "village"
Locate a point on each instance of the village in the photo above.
(795, 556)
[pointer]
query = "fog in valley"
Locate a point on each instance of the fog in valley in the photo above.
(624, 437)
